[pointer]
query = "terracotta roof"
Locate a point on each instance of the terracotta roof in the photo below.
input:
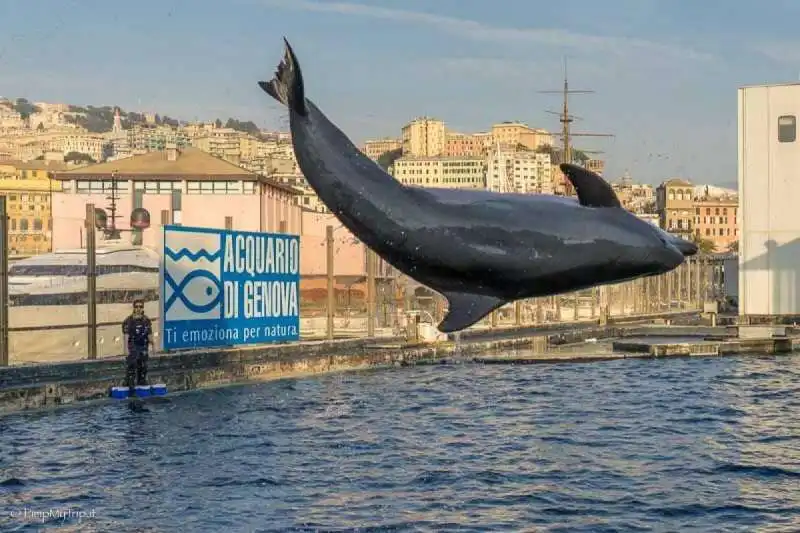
(191, 163)
(677, 182)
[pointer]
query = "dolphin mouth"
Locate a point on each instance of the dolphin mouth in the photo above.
(687, 248)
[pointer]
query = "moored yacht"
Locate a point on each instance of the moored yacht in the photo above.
(124, 272)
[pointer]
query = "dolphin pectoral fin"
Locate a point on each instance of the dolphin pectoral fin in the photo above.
(593, 190)
(466, 309)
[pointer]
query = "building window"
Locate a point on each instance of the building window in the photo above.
(787, 128)
(37, 224)
(23, 224)
(213, 187)
(101, 186)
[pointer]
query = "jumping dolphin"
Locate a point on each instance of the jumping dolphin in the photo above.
(477, 248)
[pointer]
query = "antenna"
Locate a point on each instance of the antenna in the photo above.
(111, 231)
(566, 119)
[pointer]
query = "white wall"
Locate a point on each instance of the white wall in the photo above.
(769, 202)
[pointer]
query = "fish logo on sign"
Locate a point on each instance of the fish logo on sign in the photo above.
(192, 276)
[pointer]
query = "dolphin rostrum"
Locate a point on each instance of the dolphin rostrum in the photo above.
(479, 249)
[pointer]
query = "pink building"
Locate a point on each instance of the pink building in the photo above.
(186, 186)
(349, 258)
(193, 188)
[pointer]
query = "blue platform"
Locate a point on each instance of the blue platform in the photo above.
(142, 391)
(119, 393)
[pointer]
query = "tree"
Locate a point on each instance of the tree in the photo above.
(247, 126)
(733, 247)
(704, 246)
(25, 108)
(578, 156)
(387, 159)
(78, 157)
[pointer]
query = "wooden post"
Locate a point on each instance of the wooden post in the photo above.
(3, 282)
(518, 312)
(229, 223)
(282, 226)
(331, 307)
(698, 282)
(370, 292)
(670, 295)
(576, 306)
(91, 281)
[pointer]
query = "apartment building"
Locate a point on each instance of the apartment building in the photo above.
(675, 206)
(377, 147)
(441, 172)
(28, 190)
(466, 144)
(716, 220)
(635, 197)
(424, 137)
(222, 143)
(517, 133)
(519, 172)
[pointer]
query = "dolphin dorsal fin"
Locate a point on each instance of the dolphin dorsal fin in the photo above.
(466, 309)
(593, 191)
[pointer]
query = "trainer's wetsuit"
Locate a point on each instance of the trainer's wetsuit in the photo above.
(138, 330)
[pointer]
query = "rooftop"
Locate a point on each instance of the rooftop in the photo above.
(36, 165)
(422, 158)
(768, 85)
(190, 163)
(677, 182)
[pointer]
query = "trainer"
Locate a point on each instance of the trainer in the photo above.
(137, 332)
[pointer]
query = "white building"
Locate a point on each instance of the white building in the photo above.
(441, 172)
(652, 218)
(769, 200)
(519, 172)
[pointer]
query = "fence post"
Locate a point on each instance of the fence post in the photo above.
(91, 281)
(331, 288)
(698, 281)
(3, 283)
(370, 292)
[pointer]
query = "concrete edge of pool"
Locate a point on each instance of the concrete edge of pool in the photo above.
(50, 385)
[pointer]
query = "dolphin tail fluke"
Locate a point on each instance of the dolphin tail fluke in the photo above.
(287, 85)
(467, 309)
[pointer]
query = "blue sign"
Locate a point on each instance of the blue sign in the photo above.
(228, 288)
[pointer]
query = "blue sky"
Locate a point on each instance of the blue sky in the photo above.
(664, 72)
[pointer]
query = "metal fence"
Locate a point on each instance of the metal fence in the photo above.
(81, 317)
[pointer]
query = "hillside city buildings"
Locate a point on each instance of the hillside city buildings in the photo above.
(50, 168)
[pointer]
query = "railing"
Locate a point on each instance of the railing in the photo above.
(381, 304)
